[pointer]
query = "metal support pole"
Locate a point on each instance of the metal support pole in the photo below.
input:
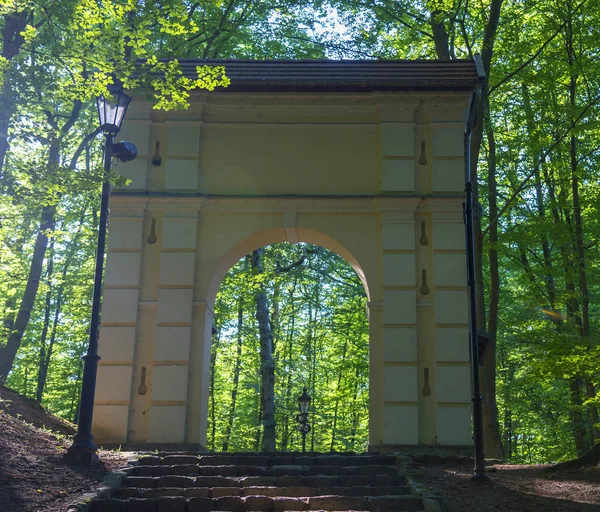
(83, 449)
(303, 441)
(479, 470)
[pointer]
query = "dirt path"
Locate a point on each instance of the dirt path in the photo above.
(514, 488)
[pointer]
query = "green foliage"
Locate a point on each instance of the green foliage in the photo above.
(320, 338)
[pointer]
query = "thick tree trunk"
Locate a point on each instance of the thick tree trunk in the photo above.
(14, 25)
(7, 357)
(584, 328)
(267, 367)
(491, 431)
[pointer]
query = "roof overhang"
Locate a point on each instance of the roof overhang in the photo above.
(334, 76)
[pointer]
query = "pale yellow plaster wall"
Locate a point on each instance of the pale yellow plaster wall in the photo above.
(375, 178)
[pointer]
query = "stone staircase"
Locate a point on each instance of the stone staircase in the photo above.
(240, 482)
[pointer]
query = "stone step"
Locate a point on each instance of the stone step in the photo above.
(278, 470)
(272, 491)
(258, 503)
(283, 481)
(299, 459)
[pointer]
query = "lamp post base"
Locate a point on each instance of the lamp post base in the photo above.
(480, 476)
(82, 452)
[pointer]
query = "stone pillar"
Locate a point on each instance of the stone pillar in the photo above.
(167, 414)
(199, 375)
(425, 327)
(453, 373)
(141, 392)
(425, 289)
(400, 415)
(118, 321)
(376, 374)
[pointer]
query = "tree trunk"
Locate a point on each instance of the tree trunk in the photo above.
(267, 366)
(236, 373)
(14, 25)
(491, 434)
(42, 368)
(491, 431)
(584, 329)
(28, 300)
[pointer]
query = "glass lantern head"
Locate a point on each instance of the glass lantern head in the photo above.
(304, 402)
(112, 108)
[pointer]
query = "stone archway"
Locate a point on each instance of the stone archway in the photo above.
(298, 346)
(375, 176)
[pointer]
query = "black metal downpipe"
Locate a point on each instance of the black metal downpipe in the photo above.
(479, 473)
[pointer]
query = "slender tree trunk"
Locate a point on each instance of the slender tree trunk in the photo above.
(42, 368)
(267, 367)
(213, 360)
(236, 373)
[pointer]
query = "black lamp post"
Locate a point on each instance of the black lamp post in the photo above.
(111, 111)
(302, 418)
(479, 473)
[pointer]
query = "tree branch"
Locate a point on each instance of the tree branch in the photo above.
(543, 157)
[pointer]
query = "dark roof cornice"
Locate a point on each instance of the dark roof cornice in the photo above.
(343, 75)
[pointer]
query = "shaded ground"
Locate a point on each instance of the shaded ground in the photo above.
(515, 488)
(33, 476)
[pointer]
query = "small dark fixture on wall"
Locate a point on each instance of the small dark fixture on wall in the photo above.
(156, 159)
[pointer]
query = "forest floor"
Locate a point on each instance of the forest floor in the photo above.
(35, 478)
(515, 488)
(33, 475)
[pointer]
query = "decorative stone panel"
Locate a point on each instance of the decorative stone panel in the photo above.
(452, 344)
(400, 384)
(119, 306)
(125, 233)
(400, 424)
(181, 175)
(116, 344)
(169, 383)
(399, 344)
(177, 268)
(110, 423)
(447, 139)
(453, 383)
(451, 307)
(448, 175)
(184, 139)
(122, 269)
(135, 174)
(397, 139)
(449, 236)
(454, 425)
(174, 306)
(166, 424)
(113, 383)
(399, 307)
(172, 343)
(179, 233)
(449, 269)
(399, 270)
(398, 175)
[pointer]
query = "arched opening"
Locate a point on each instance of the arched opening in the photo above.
(316, 312)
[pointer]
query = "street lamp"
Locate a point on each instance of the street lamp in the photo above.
(111, 112)
(302, 418)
